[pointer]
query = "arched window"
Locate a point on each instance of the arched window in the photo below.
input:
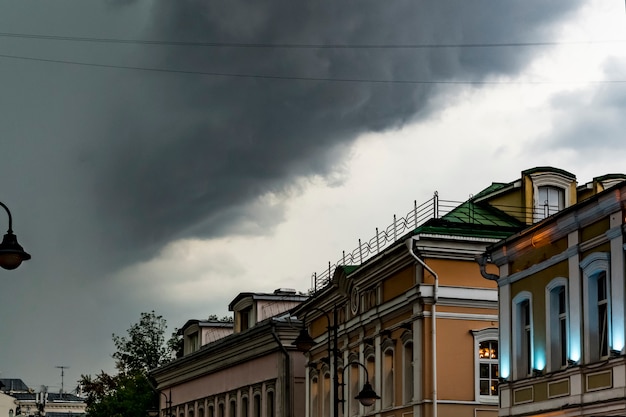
(523, 335)
(232, 406)
(257, 405)
(244, 406)
(271, 405)
(326, 405)
(388, 385)
(557, 324)
(315, 398)
(407, 367)
(486, 355)
(550, 200)
(597, 286)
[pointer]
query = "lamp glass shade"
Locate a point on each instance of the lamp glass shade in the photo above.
(304, 342)
(11, 253)
(367, 396)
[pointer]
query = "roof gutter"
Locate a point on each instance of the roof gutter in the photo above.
(482, 263)
(288, 401)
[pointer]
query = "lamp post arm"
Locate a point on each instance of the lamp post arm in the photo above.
(10, 217)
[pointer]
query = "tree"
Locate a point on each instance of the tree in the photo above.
(130, 393)
(145, 347)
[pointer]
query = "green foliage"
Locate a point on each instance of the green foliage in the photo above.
(123, 395)
(145, 347)
(130, 393)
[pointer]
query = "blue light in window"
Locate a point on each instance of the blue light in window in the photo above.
(618, 339)
(539, 359)
(504, 370)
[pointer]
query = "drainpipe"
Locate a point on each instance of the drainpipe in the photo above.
(482, 263)
(433, 315)
(288, 401)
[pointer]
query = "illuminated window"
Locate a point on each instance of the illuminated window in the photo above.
(557, 324)
(602, 315)
(597, 285)
(486, 356)
(522, 335)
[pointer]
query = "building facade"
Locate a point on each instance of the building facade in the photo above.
(561, 293)
(417, 320)
(250, 370)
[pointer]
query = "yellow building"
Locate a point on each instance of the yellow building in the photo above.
(561, 292)
(417, 319)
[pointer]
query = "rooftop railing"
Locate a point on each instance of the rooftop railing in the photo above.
(433, 208)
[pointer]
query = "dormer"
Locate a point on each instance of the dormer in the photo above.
(547, 190)
(252, 308)
(197, 333)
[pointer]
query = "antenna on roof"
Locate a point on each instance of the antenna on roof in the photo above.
(62, 368)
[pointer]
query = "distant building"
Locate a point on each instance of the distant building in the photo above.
(17, 398)
(562, 293)
(239, 369)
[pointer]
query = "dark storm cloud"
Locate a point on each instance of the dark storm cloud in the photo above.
(592, 117)
(186, 154)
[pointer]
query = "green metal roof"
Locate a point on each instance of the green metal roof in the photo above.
(472, 219)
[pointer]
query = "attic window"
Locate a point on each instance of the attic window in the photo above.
(550, 200)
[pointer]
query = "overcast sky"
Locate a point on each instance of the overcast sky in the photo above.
(249, 143)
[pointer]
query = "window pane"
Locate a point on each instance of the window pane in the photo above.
(485, 389)
(484, 370)
(494, 387)
(494, 370)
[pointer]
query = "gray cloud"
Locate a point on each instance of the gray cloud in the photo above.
(183, 150)
(591, 117)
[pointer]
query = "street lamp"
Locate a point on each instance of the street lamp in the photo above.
(168, 405)
(367, 396)
(304, 342)
(11, 253)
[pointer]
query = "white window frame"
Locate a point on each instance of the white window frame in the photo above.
(521, 369)
(484, 335)
(592, 266)
(553, 323)
(549, 179)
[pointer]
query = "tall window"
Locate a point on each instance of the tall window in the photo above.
(549, 201)
(233, 408)
(257, 405)
(326, 406)
(557, 323)
(388, 378)
(244, 407)
(603, 315)
(271, 406)
(354, 389)
(526, 337)
(486, 355)
(314, 399)
(522, 335)
(407, 371)
(597, 307)
(488, 368)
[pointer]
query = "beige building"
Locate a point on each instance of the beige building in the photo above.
(247, 368)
